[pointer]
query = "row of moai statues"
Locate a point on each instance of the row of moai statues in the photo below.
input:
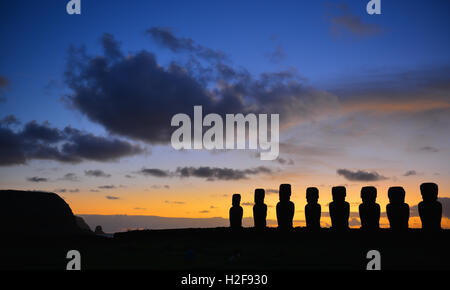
(430, 209)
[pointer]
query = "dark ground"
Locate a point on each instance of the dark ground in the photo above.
(222, 249)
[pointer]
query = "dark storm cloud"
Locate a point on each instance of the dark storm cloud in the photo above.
(40, 141)
(37, 179)
(342, 20)
(360, 175)
(9, 120)
(35, 131)
(88, 146)
(96, 173)
(165, 37)
(410, 173)
(11, 146)
(216, 173)
(134, 96)
(111, 47)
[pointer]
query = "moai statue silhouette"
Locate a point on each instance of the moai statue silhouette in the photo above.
(285, 208)
(430, 209)
(397, 210)
(339, 208)
(312, 208)
(369, 210)
(260, 209)
(236, 212)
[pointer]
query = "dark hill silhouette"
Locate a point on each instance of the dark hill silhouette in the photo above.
(36, 213)
(81, 223)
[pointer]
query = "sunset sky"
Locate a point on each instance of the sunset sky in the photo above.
(86, 101)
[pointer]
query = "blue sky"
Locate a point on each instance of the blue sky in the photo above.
(37, 35)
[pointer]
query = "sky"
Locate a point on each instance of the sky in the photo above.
(86, 102)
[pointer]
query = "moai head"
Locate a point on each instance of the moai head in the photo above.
(236, 199)
(338, 193)
(368, 194)
(285, 192)
(312, 194)
(259, 196)
(396, 194)
(429, 191)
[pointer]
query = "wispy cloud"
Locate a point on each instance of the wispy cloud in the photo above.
(360, 175)
(70, 177)
(206, 172)
(342, 20)
(430, 149)
(37, 179)
(216, 173)
(96, 173)
(410, 173)
(155, 172)
(107, 187)
(174, 202)
(110, 197)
